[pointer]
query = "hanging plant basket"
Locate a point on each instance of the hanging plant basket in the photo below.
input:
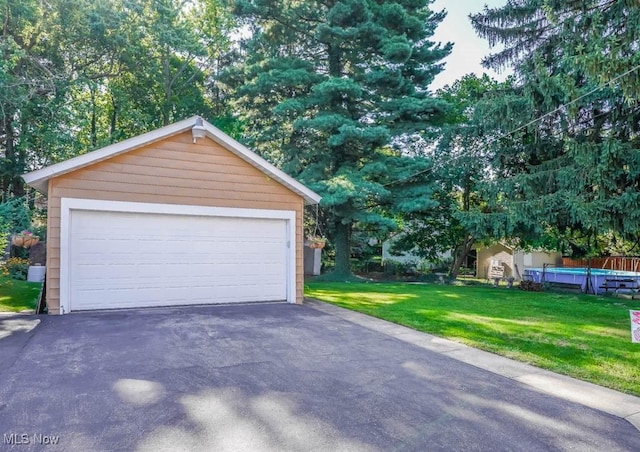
(24, 241)
(316, 242)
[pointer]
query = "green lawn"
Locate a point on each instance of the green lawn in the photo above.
(584, 336)
(16, 296)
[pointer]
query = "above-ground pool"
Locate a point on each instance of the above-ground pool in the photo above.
(578, 276)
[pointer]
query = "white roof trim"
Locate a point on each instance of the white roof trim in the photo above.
(39, 179)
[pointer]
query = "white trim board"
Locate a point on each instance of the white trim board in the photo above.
(39, 179)
(68, 205)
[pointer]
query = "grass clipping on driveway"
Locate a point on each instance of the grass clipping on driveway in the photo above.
(583, 336)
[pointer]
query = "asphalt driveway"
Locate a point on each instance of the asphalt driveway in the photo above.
(265, 377)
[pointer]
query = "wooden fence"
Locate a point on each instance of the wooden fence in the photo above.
(624, 263)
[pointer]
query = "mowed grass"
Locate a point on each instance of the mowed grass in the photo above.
(583, 336)
(16, 296)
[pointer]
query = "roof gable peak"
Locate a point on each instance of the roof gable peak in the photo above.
(39, 179)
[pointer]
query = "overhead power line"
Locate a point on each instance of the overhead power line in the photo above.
(530, 123)
(566, 105)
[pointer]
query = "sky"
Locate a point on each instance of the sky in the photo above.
(468, 48)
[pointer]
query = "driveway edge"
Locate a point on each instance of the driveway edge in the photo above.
(613, 402)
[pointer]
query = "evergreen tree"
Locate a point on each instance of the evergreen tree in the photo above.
(335, 92)
(565, 143)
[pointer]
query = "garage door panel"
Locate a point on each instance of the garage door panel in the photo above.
(120, 260)
(87, 275)
(141, 273)
(123, 299)
(168, 296)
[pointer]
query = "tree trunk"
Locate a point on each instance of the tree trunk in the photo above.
(460, 254)
(342, 269)
(462, 250)
(94, 131)
(11, 181)
(113, 120)
(166, 106)
(335, 61)
(342, 244)
(8, 154)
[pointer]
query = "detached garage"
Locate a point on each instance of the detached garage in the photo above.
(178, 216)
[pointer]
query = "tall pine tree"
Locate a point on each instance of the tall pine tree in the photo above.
(568, 156)
(334, 91)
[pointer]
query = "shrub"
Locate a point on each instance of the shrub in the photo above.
(397, 268)
(4, 275)
(442, 265)
(14, 216)
(17, 268)
(530, 286)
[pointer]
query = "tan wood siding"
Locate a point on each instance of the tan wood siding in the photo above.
(246, 192)
(172, 171)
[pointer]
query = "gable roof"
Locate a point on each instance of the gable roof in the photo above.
(39, 179)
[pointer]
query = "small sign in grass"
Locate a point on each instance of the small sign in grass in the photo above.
(583, 336)
(635, 326)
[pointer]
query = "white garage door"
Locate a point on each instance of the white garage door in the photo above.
(129, 259)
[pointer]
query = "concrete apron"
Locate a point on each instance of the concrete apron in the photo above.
(621, 405)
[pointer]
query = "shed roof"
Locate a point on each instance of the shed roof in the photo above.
(39, 179)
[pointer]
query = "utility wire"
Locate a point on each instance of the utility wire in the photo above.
(534, 121)
(565, 105)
